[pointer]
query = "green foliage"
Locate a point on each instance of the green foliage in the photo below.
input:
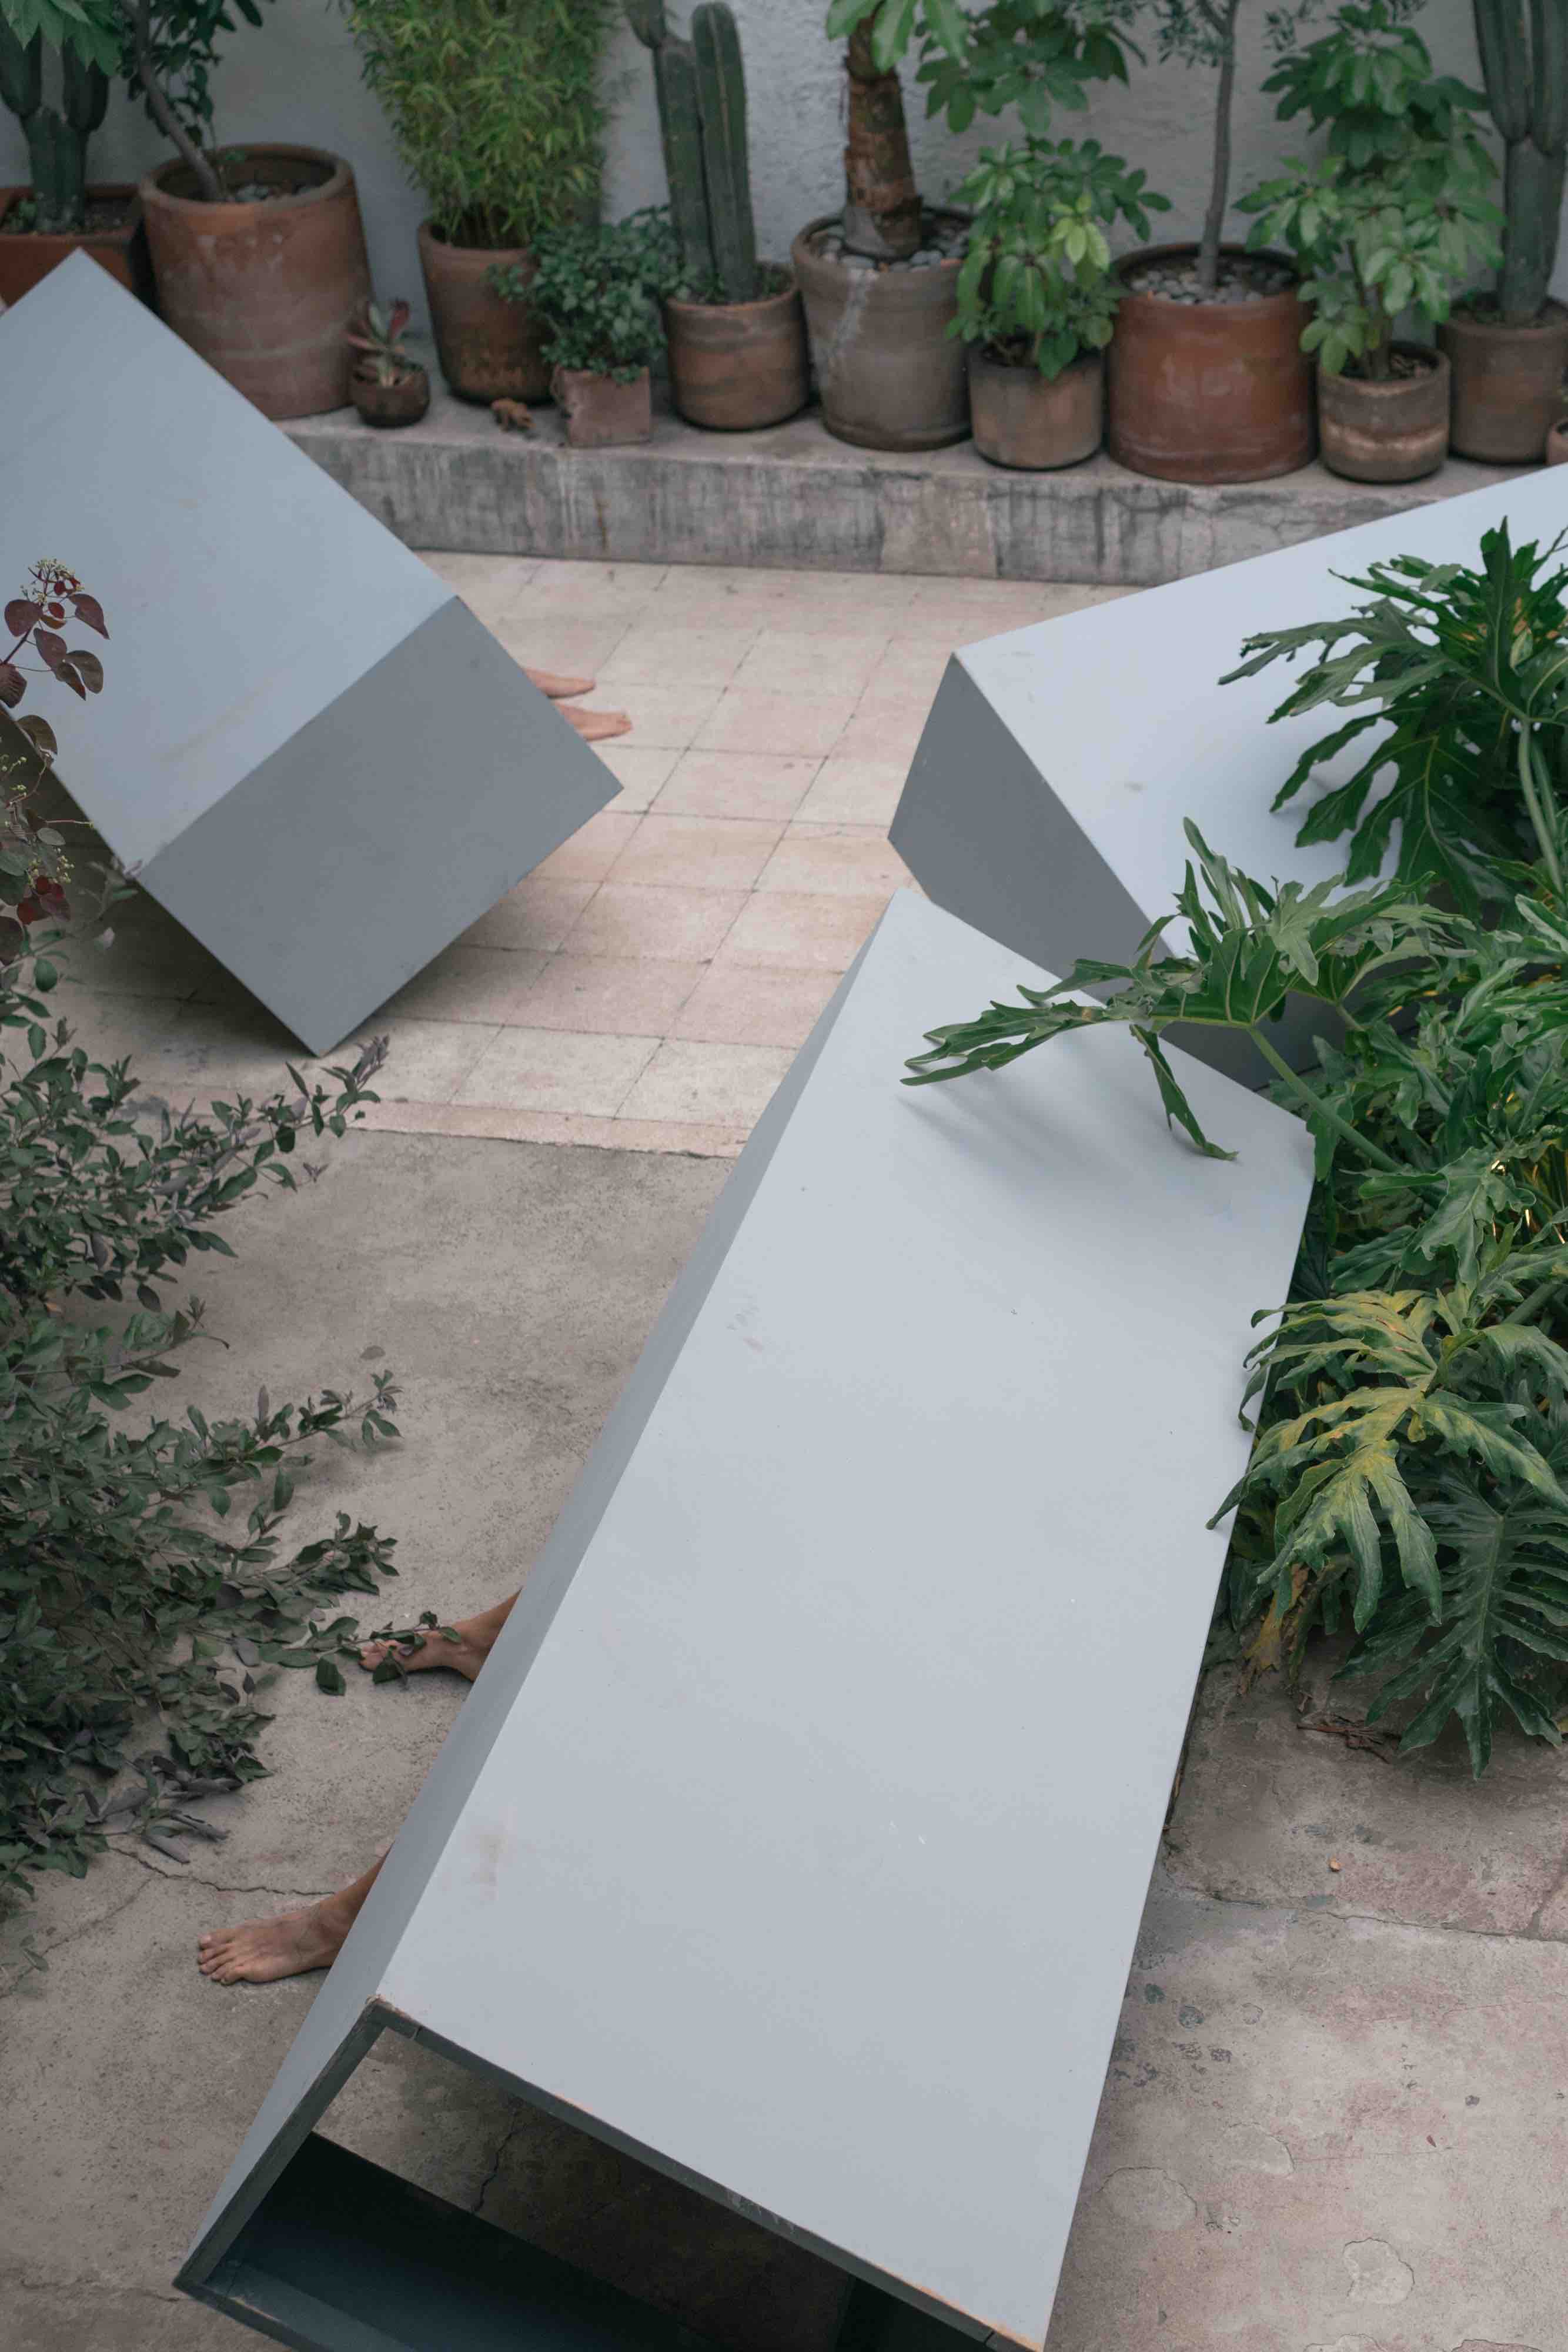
(1410, 1474)
(496, 105)
(1526, 75)
(92, 31)
(1037, 284)
(1034, 55)
(1396, 215)
(57, 135)
(701, 88)
(596, 292)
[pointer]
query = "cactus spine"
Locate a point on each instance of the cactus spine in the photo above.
(57, 136)
(701, 85)
(1526, 75)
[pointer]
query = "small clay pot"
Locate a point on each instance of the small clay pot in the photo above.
(1021, 420)
(489, 349)
(27, 255)
(736, 366)
(402, 403)
(889, 375)
(1209, 392)
(1393, 432)
(601, 413)
(1557, 444)
(1507, 383)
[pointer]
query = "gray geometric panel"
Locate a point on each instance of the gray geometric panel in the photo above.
(788, 1841)
(306, 747)
(1046, 800)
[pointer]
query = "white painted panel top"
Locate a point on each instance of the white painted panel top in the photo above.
(1120, 709)
(243, 589)
(810, 1854)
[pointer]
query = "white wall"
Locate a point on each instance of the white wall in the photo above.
(299, 79)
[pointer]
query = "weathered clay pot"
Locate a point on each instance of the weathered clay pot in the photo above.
(889, 375)
(599, 413)
(489, 349)
(402, 403)
(1557, 444)
(265, 290)
(26, 256)
(1393, 432)
(1209, 392)
(1021, 420)
(734, 366)
(1508, 384)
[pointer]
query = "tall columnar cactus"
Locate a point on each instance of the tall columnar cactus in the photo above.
(701, 85)
(1526, 73)
(57, 136)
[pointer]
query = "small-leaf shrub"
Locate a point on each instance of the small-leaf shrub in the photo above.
(597, 293)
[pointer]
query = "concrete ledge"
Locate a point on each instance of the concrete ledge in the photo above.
(795, 499)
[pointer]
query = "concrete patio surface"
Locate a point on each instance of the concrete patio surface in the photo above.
(1337, 2116)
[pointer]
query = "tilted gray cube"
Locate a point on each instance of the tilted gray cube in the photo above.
(1046, 800)
(308, 749)
(796, 1837)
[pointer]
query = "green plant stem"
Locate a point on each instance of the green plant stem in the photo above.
(1318, 1108)
(1543, 832)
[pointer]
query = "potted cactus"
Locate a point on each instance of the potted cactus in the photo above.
(389, 386)
(60, 213)
(1508, 349)
(735, 328)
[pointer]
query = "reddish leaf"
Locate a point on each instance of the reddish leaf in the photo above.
(20, 616)
(88, 667)
(90, 613)
(55, 610)
(42, 734)
(13, 685)
(400, 314)
(51, 649)
(66, 673)
(28, 910)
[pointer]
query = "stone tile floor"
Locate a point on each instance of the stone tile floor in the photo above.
(648, 985)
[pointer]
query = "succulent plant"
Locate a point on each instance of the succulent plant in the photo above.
(57, 136)
(701, 87)
(377, 335)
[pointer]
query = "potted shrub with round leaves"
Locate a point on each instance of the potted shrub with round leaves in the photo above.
(596, 293)
(1393, 218)
(497, 106)
(736, 329)
(1037, 296)
(58, 213)
(1509, 348)
(389, 386)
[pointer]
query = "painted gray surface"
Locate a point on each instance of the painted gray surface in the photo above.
(789, 1839)
(312, 753)
(1046, 800)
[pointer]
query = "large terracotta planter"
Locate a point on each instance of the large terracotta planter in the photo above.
(1021, 420)
(601, 413)
(1393, 432)
(26, 256)
(888, 373)
(1507, 385)
(489, 349)
(1209, 392)
(265, 290)
(735, 366)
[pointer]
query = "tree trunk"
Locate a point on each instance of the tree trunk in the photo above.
(882, 203)
(1219, 187)
(208, 186)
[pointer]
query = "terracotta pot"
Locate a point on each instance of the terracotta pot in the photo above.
(402, 403)
(1557, 444)
(1508, 384)
(1392, 432)
(26, 256)
(1209, 392)
(889, 376)
(599, 413)
(489, 349)
(265, 290)
(734, 366)
(1021, 420)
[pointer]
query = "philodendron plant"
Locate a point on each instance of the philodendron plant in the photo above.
(1410, 1475)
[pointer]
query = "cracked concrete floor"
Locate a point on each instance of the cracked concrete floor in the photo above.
(1336, 2119)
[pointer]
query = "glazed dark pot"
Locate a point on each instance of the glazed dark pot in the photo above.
(1507, 385)
(1392, 432)
(888, 373)
(489, 349)
(1021, 420)
(736, 366)
(601, 413)
(388, 404)
(1209, 392)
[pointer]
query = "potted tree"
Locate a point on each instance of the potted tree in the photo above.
(60, 213)
(389, 386)
(736, 329)
(1036, 296)
(1509, 348)
(496, 108)
(596, 295)
(1393, 218)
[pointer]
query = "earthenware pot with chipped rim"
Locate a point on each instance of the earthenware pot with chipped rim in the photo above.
(1393, 432)
(737, 366)
(1022, 420)
(889, 376)
(1209, 392)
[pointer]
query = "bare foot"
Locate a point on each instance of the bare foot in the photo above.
(558, 688)
(594, 726)
(262, 1950)
(466, 1655)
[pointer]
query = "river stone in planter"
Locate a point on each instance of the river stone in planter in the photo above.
(796, 1837)
(1046, 799)
(308, 749)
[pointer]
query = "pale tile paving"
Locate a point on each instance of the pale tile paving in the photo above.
(648, 985)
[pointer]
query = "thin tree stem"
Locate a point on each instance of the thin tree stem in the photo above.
(163, 114)
(1219, 187)
(1318, 1108)
(1544, 832)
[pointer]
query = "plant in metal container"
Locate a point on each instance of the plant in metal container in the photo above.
(1509, 348)
(597, 294)
(1391, 219)
(1037, 296)
(390, 386)
(497, 110)
(735, 329)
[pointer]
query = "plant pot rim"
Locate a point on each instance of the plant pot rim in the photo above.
(411, 368)
(735, 309)
(1465, 322)
(244, 211)
(802, 246)
(126, 191)
(980, 357)
(1187, 249)
(1397, 385)
(429, 235)
(604, 375)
